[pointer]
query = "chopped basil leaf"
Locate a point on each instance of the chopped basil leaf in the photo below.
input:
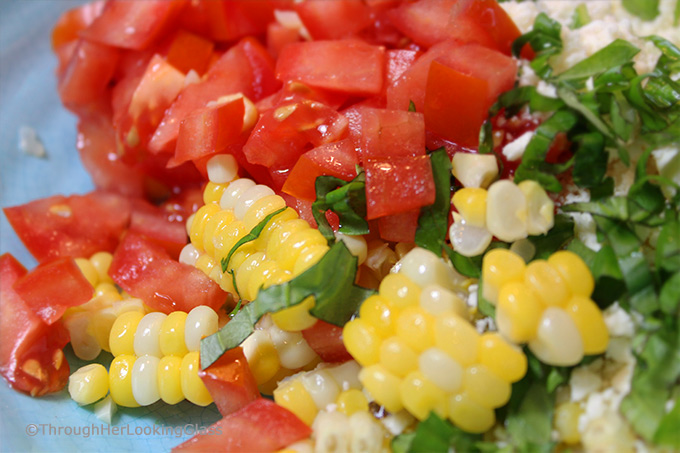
(346, 199)
(644, 9)
(558, 236)
(668, 246)
(411, 106)
(581, 17)
(615, 54)
(590, 163)
(330, 281)
(545, 40)
(669, 297)
(435, 435)
(433, 219)
(667, 432)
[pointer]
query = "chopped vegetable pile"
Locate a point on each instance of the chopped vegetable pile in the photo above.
(364, 225)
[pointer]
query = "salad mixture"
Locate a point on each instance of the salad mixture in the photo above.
(364, 226)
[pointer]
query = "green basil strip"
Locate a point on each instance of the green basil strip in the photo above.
(581, 17)
(615, 54)
(346, 199)
(330, 281)
(644, 9)
(254, 234)
(668, 246)
(433, 219)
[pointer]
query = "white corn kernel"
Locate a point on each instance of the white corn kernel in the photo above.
(367, 435)
(189, 255)
(145, 380)
(441, 369)
(558, 341)
(506, 211)
(540, 208)
(436, 300)
(105, 409)
(190, 221)
(233, 192)
(294, 352)
(355, 244)
(202, 321)
(222, 168)
(346, 375)
(147, 335)
(466, 239)
(474, 170)
(424, 268)
(249, 197)
(85, 346)
(322, 387)
(331, 432)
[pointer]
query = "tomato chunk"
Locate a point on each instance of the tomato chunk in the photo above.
(326, 340)
(189, 51)
(154, 223)
(333, 20)
(385, 133)
(426, 21)
(399, 227)
(31, 359)
(261, 426)
(75, 226)
(73, 21)
(147, 271)
(230, 382)
(351, 67)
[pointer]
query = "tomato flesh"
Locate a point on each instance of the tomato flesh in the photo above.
(326, 340)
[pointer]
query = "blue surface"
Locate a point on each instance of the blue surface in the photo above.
(28, 97)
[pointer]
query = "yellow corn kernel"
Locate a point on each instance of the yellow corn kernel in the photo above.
(226, 238)
(441, 369)
(558, 340)
(471, 204)
(293, 396)
(518, 312)
(122, 336)
(574, 271)
(309, 257)
(380, 313)
(505, 360)
(420, 396)
(246, 269)
(590, 324)
(263, 359)
(273, 225)
(88, 270)
(107, 291)
(499, 267)
(267, 388)
(102, 262)
(279, 236)
(120, 380)
(88, 384)
(297, 317)
(171, 334)
(546, 283)
(100, 327)
(197, 228)
(383, 386)
(399, 289)
(485, 388)
(170, 379)
(261, 209)
(192, 386)
(362, 341)
(295, 244)
(351, 401)
(397, 357)
(470, 416)
(566, 422)
(259, 275)
(205, 263)
(213, 192)
(414, 327)
(216, 223)
(457, 338)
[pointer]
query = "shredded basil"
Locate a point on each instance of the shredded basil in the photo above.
(644, 9)
(346, 199)
(433, 219)
(581, 17)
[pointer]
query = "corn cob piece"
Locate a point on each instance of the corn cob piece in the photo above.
(545, 304)
(420, 353)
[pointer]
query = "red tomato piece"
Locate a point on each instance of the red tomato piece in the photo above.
(426, 21)
(147, 271)
(209, 131)
(351, 67)
(385, 133)
(279, 36)
(261, 426)
(153, 222)
(399, 227)
(51, 288)
(230, 382)
(75, 226)
(133, 25)
(333, 20)
(88, 73)
(73, 21)
(326, 340)
(397, 61)
(189, 51)
(31, 357)
(179, 207)
(229, 20)
(397, 184)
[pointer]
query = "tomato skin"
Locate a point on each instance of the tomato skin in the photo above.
(52, 287)
(75, 226)
(347, 66)
(385, 133)
(147, 271)
(333, 20)
(399, 227)
(26, 337)
(154, 223)
(397, 184)
(261, 426)
(326, 340)
(189, 51)
(71, 22)
(230, 382)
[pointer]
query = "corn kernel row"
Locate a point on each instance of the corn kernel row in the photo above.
(545, 304)
(506, 210)
(420, 353)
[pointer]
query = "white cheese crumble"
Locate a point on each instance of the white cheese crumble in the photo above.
(515, 149)
(30, 143)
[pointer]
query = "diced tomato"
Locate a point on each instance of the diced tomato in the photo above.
(348, 66)
(385, 133)
(261, 426)
(87, 74)
(425, 21)
(399, 227)
(326, 340)
(279, 36)
(133, 25)
(179, 207)
(397, 61)
(209, 131)
(245, 68)
(230, 20)
(145, 270)
(190, 52)
(73, 21)
(283, 134)
(51, 288)
(333, 20)
(397, 184)
(153, 222)
(75, 226)
(337, 159)
(230, 382)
